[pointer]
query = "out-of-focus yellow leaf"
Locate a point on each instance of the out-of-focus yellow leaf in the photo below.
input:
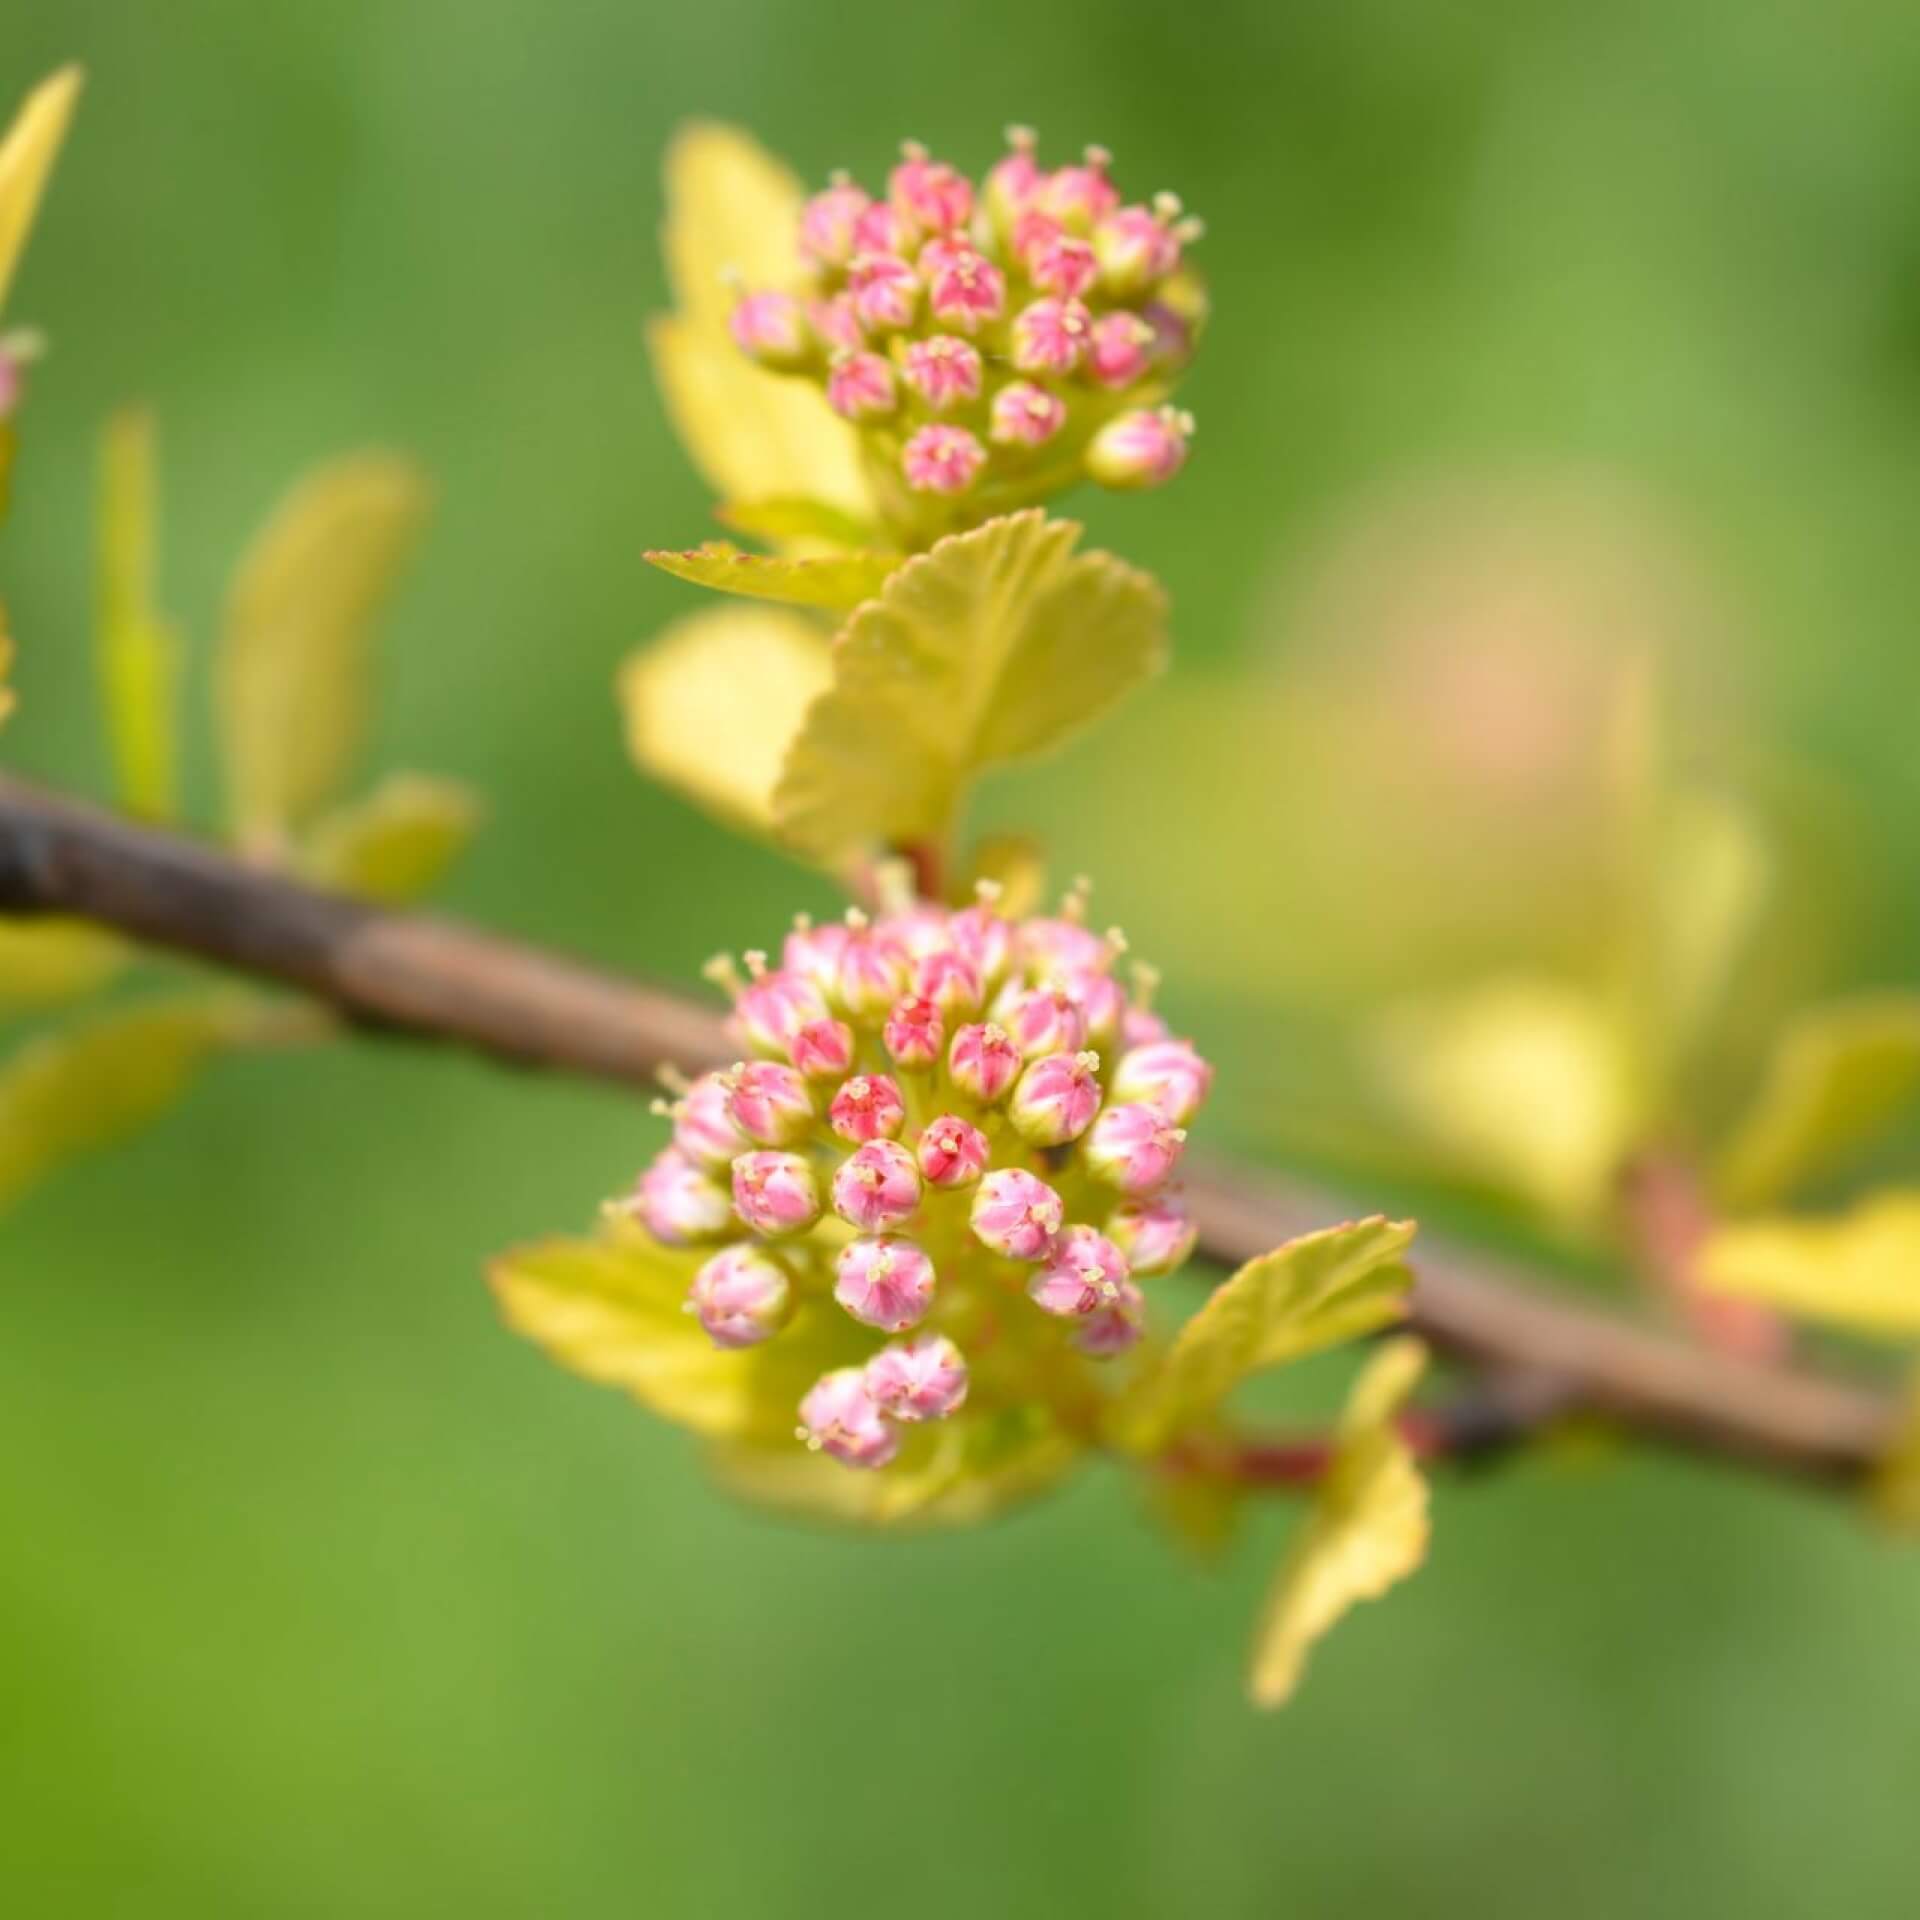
(809, 523)
(1840, 1076)
(398, 842)
(27, 154)
(613, 1309)
(712, 706)
(1523, 1083)
(995, 646)
(1894, 1492)
(293, 669)
(949, 1473)
(1312, 1293)
(45, 962)
(85, 1087)
(1368, 1527)
(1200, 1510)
(1013, 863)
(1859, 1270)
(835, 582)
(137, 653)
(731, 223)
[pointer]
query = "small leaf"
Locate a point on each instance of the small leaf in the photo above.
(1859, 1270)
(1368, 1527)
(137, 654)
(1839, 1077)
(808, 522)
(614, 1310)
(1312, 1293)
(732, 211)
(835, 582)
(83, 1088)
(713, 705)
(27, 154)
(1894, 1492)
(294, 662)
(995, 646)
(397, 843)
(46, 962)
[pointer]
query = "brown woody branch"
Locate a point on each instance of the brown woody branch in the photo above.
(408, 975)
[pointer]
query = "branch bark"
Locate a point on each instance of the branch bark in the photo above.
(427, 979)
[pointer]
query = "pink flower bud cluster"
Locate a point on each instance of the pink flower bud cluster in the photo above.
(946, 1126)
(1010, 336)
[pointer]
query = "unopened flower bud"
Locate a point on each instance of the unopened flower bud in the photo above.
(873, 974)
(1136, 249)
(1051, 336)
(885, 1282)
(949, 980)
(860, 386)
(985, 939)
(770, 1103)
(1056, 1099)
(1012, 182)
(741, 1296)
(868, 1107)
(944, 371)
(877, 1186)
(813, 953)
(822, 1049)
(1025, 415)
(885, 290)
(1120, 350)
(678, 1203)
(942, 460)
(1142, 449)
(1016, 1213)
(884, 228)
(1083, 1273)
(840, 1416)
(923, 1379)
(1064, 944)
(775, 1193)
(1064, 264)
(984, 1062)
(703, 1124)
(772, 328)
(1116, 1326)
(951, 1153)
(829, 224)
(836, 324)
(1133, 1147)
(774, 1009)
(965, 290)
(1167, 1074)
(914, 1033)
(1102, 1003)
(1079, 197)
(1043, 1020)
(1156, 1235)
(932, 194)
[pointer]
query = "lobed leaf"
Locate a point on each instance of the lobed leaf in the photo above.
(714, 704)
(1315, 1292)
(1839, 1077)
(294, 661)
(996, 645)
(27, 154)
(1367, 1529)
(397, 843)
(1859, 1270)
(46, 962)
(835, 582)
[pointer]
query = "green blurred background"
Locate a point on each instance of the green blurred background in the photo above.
(323, 1596)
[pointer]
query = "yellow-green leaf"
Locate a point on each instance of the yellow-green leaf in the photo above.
(733, 214)
(1840, 1076)
(87, 1086)
(835, 582)
(1860, 1269)
(996, 645)
(713, 705)
(137, 653)
(27, 154)
(1312, 1293)
(46, 962)
(806, 522)
(398, 842)
(1367, 1529)
(1894, 1491)
(294, 664)
(1522, 1083)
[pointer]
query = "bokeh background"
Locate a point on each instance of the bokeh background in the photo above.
(1541, 329)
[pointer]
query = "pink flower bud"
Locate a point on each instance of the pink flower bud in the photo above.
(742, 1296)
(884, 228)
(918, 930)
(947, 979)
(829, 224)
(772, 328)
(1167, 1074)
(1043, 1020)
(860, 387)
(1084, 1272)
(952, 1153)
(1141, 449)
(770, 1103)
(1080, 197)
(775, 1193)
(841, 1417)
(886, 1283)
(877, 1186)
(835, 324)
(868, 1107)
(1059, 946)
(885, 290)
(944, 371)
(1101, 1001)
(923, 1379)
(1012, 182)
(1121, 349)
(985, 939)
(1172, 334)
(771, 1011)
(1016, 1213)
(822, 1049)
(1141, 1027)
(1136, 249)
(1025, 415)
(983, 1062)
(813, 953)
(1051, 336)
(873, 974)
(1133, 1147)
(942, 460)
(1156, 1235)
(934, 195)
(678, 1203)
(964, 288)
(703, 1127)
(914, 1032)
(1116, 1326)
(1057, 1098)
(1062, 264)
